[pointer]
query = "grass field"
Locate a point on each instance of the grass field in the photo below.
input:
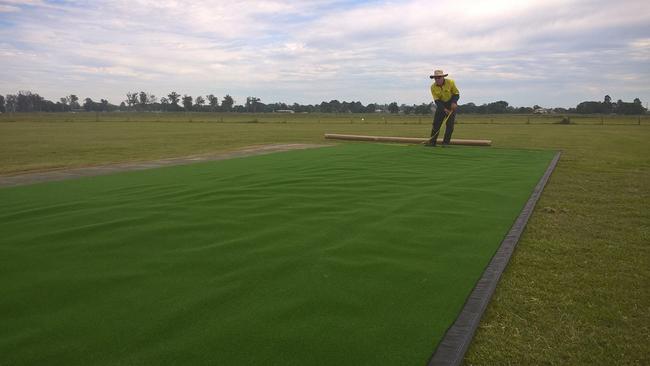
(50, 141)
(575, 291)
(359, 254)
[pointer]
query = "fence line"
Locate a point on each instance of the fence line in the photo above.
(337, 119)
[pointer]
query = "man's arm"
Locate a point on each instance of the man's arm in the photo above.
(454, 102)
(440, 105)
(454, 97)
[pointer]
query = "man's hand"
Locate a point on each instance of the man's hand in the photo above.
(452, 109)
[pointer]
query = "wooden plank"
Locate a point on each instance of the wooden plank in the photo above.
(408, 140)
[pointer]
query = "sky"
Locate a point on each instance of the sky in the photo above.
(548, 52)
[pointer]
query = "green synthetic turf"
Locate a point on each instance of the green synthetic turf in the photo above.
(358, 254)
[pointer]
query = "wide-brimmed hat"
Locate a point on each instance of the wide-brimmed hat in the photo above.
(437, 73)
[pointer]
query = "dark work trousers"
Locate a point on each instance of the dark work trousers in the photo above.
(438, 117)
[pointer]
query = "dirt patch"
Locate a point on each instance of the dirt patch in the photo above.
(62, 174)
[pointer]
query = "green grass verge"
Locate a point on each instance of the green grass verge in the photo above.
(359, 254)
(575, 290)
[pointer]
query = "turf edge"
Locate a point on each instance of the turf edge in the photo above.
(454, 344)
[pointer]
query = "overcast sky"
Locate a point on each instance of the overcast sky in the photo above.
(551, 53)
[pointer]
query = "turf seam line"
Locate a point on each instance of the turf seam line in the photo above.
(454, 344)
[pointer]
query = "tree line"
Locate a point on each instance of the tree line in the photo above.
(26, 101)
(607, 107)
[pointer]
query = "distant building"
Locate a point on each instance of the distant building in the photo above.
(541, 111)
(284, 111)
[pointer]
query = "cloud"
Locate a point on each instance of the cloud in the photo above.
(22, 2)
(8, 8)
(320, 50)
(639, 50)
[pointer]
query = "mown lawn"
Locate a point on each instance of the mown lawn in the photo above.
(575, 291)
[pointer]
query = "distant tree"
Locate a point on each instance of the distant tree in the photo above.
(65, 104)
(73, 101)
(424, 108)
(335, 106)
(589, 107)
(618, 106)
(497, 107)
(252, 103)
(277, 106)
(480, 109)
(164, 103)
(104, 105)
(25, 104)
(344, 107)
(213, 102)
(2, 104)
(227, 103)
(187, 102)
(356, 107)
(324, 107)
(393, 108)
(11, 102)
(26, 101)
(347, 107)
(607, 105)
(199, 102)
(630, 108)
(407, 109)
(145, 99)
(370, 108)
(467, 108)
(174, 98)
(89, 105)
(39, 103)
(132, 99)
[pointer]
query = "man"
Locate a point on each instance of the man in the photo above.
(445, 95)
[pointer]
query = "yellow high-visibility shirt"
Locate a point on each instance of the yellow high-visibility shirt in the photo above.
(445, 91)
